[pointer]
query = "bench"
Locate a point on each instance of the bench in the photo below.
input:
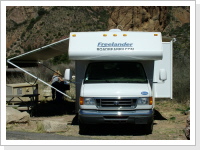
(33, 100)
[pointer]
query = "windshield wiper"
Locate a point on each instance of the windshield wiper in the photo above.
(139, 82)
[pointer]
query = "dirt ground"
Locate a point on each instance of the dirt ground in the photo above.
(169, 124)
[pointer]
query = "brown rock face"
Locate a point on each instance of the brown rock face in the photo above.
(29, 27)
(139, 18)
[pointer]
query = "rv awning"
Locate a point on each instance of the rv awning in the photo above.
(31, 58)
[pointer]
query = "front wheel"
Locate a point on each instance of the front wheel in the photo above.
(149, 128)
(82, 128)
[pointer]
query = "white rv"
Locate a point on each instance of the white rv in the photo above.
(119, 74)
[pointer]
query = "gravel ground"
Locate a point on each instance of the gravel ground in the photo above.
(19, 135)
(169, 124)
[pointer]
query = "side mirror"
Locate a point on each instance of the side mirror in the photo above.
(67, 75)
(163, 74)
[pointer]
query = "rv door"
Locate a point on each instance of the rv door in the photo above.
(163, 78)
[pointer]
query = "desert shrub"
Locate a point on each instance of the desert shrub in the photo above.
(44, 72)
(181, 82)
(181, 63)
(64, 58)
(11, 79)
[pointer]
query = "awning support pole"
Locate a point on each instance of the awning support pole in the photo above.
(38, 79)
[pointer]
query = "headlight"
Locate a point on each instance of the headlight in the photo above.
(143, 101)
(87, 101)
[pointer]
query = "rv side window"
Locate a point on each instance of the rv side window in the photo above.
(115, 72)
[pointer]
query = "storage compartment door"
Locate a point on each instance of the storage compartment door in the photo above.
(163, 89)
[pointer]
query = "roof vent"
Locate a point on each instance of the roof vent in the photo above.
(115, 30)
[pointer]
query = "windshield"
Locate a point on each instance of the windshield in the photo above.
(115, 72)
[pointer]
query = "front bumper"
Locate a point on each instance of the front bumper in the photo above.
(129, 117)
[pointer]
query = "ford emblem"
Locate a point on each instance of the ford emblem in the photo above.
(144, 93)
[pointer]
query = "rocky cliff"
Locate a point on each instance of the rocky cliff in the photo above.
(31, 27)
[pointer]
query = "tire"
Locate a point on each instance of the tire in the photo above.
(83, 128)
(149, 128)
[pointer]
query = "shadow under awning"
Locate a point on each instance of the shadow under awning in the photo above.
(23, 63)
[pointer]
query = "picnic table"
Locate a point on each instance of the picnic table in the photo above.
(33, 100)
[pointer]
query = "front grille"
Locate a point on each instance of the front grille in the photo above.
(112, 102)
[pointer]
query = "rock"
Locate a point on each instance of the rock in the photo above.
(54, 126)
(15, 116)
(187, 112)
(187, 128)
